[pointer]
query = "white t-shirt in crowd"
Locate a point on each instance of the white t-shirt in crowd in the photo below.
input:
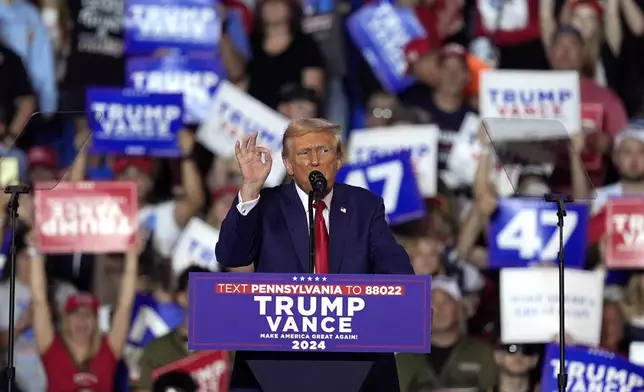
(159, 220)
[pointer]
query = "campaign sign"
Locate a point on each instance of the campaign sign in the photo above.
(150, 320)
(524, 231)
(466, 149)
(382, 31)
(529, 304)
(420, 141)
(210, 369)
(625, 229)
(591, 369)
(393, 179)
(196, 77)
(89, 217)
(303, 312)
(188, 25)
(196, 246)
(532, 94)
(234, 114)
(128, 122)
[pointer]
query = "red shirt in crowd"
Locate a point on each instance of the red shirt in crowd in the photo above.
(614, 118)
(441, 19)
(63, 375)
(518, 24)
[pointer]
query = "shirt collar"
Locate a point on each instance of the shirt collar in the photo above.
(304, 197)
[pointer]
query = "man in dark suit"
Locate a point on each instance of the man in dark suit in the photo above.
(269, 227)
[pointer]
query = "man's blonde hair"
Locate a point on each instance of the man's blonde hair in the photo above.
(304, 126)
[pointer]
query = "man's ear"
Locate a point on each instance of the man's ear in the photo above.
(288, 166)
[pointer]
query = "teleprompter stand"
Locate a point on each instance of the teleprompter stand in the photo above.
(561, 201)
(15, 191)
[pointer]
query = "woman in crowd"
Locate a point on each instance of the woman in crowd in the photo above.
(280, 48)
(78, 356)
(601, 27)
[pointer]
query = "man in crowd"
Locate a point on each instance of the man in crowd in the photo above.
(22, 29)
(17, 100)
(628, 158)
(422, 63)
(43, 164)
(268, 228)
(447, 104)
(567, 54)
(171, 347)
(297, 101)
(456, 360)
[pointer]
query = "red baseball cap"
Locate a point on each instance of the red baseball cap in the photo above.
(81, 300)
(416, 49)
(44, 156)
(596, 5)
(142, 163)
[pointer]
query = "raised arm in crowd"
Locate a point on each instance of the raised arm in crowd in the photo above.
(76, 348)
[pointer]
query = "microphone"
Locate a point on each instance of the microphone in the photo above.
(317, 181)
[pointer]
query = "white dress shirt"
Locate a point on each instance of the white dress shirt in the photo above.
(244, 207)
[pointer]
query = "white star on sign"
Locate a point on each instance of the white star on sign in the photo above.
(301, 278)
(317, 279)
(295, 279)
(310, 279)
(324, 278)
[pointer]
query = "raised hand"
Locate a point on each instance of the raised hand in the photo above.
(253, 169)
(578, 141)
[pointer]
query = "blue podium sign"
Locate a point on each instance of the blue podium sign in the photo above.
(310, 313)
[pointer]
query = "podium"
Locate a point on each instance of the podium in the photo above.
(305, 332)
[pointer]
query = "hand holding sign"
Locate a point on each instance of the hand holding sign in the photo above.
(186, 142)
(255, 165)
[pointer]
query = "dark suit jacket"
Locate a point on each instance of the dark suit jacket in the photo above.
(274, 235)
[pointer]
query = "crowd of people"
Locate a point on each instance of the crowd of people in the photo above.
(52, 51)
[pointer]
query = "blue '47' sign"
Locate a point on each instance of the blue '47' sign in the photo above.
(393, 179)
(524, 231)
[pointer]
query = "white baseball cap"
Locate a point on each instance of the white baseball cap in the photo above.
(634, 131)
(448, 286)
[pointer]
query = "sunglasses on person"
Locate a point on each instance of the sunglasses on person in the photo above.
(519, 349)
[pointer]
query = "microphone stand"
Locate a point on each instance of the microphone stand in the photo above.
(561, 201)
(15, 191)
(311, 234)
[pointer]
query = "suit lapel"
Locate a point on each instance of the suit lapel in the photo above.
(295, 218)
(338, 224)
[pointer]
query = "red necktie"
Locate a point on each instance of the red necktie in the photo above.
(321, 239)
